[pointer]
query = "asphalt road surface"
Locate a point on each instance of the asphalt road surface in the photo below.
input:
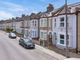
(11, 50)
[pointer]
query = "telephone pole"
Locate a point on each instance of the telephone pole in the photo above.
(67, 42)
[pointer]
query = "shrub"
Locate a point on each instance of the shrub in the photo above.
(9, 30)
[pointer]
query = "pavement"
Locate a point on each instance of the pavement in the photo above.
(51, 53)
(53, 48)
(11, 50)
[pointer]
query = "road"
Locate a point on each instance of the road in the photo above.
(11, 50)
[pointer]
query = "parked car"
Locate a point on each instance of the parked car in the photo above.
(72, 59)
(26, 43)
(12, 35)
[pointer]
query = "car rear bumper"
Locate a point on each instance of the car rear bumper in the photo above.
(13, 37)
(30, 47)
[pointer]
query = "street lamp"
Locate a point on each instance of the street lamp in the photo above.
(67, 42)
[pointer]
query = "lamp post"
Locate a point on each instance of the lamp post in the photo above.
(67, 42)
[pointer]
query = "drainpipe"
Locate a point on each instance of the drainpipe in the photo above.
(76, 32)
(47, 32)
(38, 28)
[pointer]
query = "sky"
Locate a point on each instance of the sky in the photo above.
(15, 8)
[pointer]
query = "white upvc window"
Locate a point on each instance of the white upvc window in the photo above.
(54, 23)
(45, 35)
(41, 35)
(41, 22)
(35, 23)
(62, 22)
(45, 22)
(55, 36)
(27, 32)
(61, 39)
(34, 33)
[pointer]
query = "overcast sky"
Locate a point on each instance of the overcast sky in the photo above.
(13, 8)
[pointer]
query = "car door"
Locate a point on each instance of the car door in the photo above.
(21, 41)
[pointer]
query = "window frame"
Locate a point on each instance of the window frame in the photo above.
(62, 39)
(62, 22)
(35, 24)
(54, 22)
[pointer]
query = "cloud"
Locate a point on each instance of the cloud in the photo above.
(9, 9)
(13, 7)
(5, 15)
(17, 9)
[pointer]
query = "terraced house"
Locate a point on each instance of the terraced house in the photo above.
(7, 24)
(46, 27)
(1, 25)
(34, 27)
(59, 27)
(18, 24)
(26, 25)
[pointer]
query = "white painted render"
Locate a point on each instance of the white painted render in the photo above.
(1, 26)
(62, 30)
(18, 26)
(27, 24)
(34, 28)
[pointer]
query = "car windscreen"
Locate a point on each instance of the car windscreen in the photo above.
(13, 34)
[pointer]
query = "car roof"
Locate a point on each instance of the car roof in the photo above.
(24, 38)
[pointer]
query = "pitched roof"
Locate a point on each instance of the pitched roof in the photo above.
(72, 8)
(34, 16)
(26, 17)
(1, 22)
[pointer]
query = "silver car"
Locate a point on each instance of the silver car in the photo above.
(12, 35)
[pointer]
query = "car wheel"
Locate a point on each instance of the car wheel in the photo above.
(9, 36)
(33, 47)
(24, 46)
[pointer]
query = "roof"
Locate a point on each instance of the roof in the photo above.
(25, 18)
(72, 8)
(46, 14)
(2, 21)
(34, 16)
